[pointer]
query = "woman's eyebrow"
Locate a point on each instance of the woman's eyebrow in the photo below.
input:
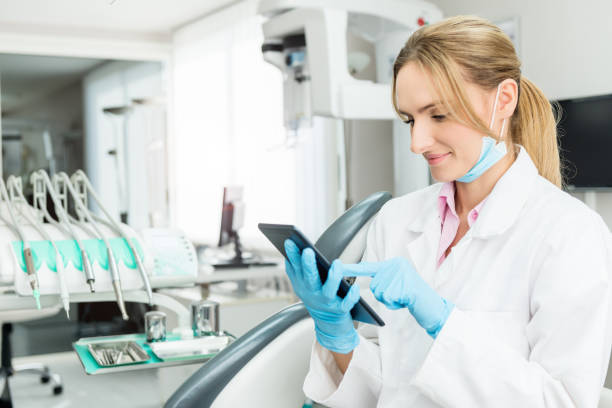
(424, 108)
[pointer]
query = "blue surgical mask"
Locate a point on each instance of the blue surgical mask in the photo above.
(491, 151)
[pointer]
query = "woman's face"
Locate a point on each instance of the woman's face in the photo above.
(450, 148)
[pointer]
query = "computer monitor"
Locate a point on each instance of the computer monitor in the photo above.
(232, 219)
(232, 214)
(585, 131)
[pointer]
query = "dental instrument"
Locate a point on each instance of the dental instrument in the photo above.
(60, 190)
(40, 199)
(16, 196)
(40, 180)
(41, 183)
(82, 212)
(27, 251)
(82, 186)
(44, 177)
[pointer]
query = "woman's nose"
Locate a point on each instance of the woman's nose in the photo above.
(420, 140)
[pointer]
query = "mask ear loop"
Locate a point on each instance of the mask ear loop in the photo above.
(501, 133)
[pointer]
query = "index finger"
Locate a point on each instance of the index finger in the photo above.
(360, 269)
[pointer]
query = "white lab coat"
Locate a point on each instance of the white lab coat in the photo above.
(531, 326)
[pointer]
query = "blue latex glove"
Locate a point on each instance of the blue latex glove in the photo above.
(397, 284)
(331, 314)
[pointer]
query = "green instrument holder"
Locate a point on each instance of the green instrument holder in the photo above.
(43, 252)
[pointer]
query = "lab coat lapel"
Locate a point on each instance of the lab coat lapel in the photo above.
(505, 202)
(423, 249)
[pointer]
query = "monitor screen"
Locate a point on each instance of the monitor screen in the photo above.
(232, 213)
(585, 141)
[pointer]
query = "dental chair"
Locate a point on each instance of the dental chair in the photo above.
(241, 375)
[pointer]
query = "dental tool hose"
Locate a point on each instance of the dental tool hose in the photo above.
(60, 264)
(115, 278)
(32, 220)
(112, 263)
(87, 269)
(90, 278)
(80, 176)
(27, 251)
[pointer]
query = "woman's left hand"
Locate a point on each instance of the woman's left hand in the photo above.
(397, 284)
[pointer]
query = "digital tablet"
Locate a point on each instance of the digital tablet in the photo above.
(278, 233)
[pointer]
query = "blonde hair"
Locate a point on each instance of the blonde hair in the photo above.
(469, 48)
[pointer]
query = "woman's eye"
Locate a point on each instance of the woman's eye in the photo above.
(439, 117)
(409, 122)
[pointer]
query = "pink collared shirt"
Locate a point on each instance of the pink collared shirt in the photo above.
(450, 219)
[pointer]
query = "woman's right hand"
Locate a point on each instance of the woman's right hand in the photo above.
(334, 327)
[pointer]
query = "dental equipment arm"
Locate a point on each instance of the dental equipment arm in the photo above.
(44, 177)
(40, 180)
(80, 180)
(40, 200)
(60, 189)
(14, 185)
(112, 263)
(27, 251)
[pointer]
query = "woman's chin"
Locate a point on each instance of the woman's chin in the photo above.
(444, 176)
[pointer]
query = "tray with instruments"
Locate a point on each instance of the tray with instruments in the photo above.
(128, 352)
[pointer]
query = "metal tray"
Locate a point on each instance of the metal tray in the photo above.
(117, 353)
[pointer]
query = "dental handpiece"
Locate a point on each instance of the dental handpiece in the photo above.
(60, 187)
(116, 283)
(81, 179)
(89, 276)
(31, 270)
(141, 269)
(143, 273)
(114, 270)
(88, 270)
(27, 251)
(62, 281)
(44, 178)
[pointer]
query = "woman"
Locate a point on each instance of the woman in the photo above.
(494, 284)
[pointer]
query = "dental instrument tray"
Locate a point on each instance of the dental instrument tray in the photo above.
(129, 352)
(116, 353)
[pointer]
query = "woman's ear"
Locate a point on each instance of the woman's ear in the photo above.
(508, 98)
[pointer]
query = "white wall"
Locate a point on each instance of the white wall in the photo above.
(564, 44)
(565, 47)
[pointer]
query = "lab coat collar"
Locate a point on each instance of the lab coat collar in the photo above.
(502, 206)
(508, 197)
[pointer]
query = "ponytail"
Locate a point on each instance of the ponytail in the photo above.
(534, 126)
